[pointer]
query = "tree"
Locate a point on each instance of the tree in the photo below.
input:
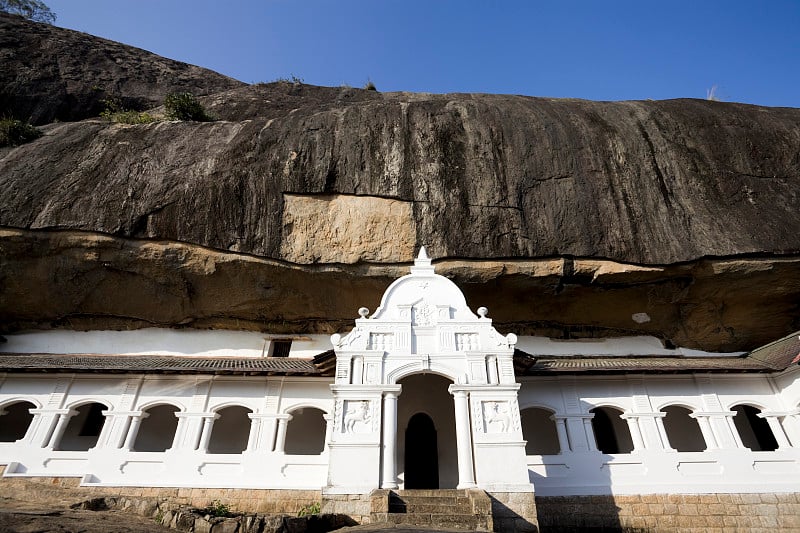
(30, 9)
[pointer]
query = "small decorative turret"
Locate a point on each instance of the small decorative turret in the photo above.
(422, 264)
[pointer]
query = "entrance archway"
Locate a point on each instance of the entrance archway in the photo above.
(426, 433)
(422, 453)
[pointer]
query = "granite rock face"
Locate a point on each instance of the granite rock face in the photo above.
(50, 73)
(564, 217)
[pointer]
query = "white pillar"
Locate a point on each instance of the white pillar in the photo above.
(662, 431)
(328, 430)
(732, 428)
(636, 433)
(179, 432)
(255, 429)
(563, 436)
(389, 479)
(466, 469)
(705, 429)
(133, 430)
(491, 367)
(777, 430)
(280, 437)
(61, 427)
(590, 438)
(205, 434)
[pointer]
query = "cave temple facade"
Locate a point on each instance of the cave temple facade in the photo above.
(423, 393)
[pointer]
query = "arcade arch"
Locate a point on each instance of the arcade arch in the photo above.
(611, 432)
(15, 419)
(84, 428)
(231, 430)
(539, 430)
(305, 433)
(753, 430)
(157, 429)
(683, 431)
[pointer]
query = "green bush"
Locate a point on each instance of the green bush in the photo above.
(115, 112)
(369, 86)
(217, 508)
(184, 106)
(14, 132)
(312, 509)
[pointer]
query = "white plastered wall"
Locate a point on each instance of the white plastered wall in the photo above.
(653, 466)
(199, 400)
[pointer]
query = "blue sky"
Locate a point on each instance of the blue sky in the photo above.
(598, 50)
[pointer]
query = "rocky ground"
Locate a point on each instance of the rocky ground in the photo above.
(48, 515)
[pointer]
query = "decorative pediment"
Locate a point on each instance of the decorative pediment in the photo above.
(423, 324)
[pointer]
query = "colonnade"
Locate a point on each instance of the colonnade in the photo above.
(267, 431)
(576, 434)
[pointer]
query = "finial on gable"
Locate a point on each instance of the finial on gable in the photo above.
(422, 264)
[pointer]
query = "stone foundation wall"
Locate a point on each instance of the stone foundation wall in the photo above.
(67, 490)
(356, 506)
(670, 512)
(514, 512)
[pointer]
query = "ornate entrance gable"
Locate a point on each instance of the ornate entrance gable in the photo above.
(423, 325)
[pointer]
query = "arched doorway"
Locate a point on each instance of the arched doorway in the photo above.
(426, 433)
(422, 453)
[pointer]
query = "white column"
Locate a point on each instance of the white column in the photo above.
(466, 469)
(133, 430)
(205, 434)
(662, 431)
(705, 429)
(561, 430)
(180, 430)
(732, 428)
(328, 430)
(61, 427)
(280, 437)
(636, 433)
(590, 438)
(777, 430)
(389, 479)
(255, 429)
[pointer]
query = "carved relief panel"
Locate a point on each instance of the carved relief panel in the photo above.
(496, 417)
(358, 417)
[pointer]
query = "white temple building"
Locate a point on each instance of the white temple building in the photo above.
(423, 393)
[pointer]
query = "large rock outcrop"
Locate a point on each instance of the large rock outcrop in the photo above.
(565, 217)
(50, 73)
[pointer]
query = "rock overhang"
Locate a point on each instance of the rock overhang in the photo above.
(80, 280)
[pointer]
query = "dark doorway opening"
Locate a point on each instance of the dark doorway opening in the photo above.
(422, 453)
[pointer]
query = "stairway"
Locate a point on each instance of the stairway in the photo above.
(443, 508)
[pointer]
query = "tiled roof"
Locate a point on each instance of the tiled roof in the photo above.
(773, 357)
(620, 365)
(156, 364)
(780, 354)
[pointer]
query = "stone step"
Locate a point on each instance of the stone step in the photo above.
(436, 507)
(431, 492)
(429, 500)
(454, 521)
